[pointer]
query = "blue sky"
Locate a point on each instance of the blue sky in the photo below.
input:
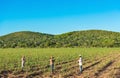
(58, 16)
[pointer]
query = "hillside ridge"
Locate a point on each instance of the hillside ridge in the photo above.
(84, 38)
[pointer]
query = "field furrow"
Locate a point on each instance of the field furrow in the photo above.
(97, 63)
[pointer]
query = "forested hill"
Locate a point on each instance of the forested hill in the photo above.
(87, 38)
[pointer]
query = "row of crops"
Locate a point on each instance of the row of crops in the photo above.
(65, 59)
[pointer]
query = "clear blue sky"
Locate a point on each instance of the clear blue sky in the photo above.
(58, 16)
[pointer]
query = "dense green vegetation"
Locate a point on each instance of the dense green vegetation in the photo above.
(88, 38)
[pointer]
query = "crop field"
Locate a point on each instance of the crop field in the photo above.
(97, 62)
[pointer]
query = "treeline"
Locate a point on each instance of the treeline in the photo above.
(88, 38)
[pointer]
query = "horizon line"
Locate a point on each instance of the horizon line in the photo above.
(60, 33)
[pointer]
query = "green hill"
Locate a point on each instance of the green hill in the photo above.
(87, 38)
(24, 39)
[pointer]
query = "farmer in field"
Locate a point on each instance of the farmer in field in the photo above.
(23, 62)
(52, 60)
(80, 63)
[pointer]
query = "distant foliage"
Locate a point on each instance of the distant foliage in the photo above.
(88, 38)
